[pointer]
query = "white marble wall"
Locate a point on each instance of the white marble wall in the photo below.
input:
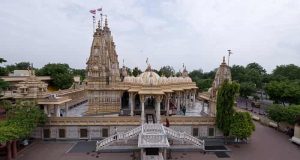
(186, 129)
(53, 132)
(121, 129)
(95, 132)
(72, 132)
(203, 131)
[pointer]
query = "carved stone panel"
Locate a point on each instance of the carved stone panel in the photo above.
(203, 131)
(53, 132)
(72, 132)
(95, 132)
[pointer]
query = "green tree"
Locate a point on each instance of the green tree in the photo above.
(3, 84)
(238, 73)
(3, 71)
(256, 67)
(22, 118)
(18, 66)
(279, 113)
(2, 60)
(225, 100)
(247, 89)
(286, 72)
(136, 71)
(61, 74)
(79, 72)
(242, 125)
(203, 80)
(129, 71)
(204, 84)
(196, 75)
(166, 71)
(284, 91)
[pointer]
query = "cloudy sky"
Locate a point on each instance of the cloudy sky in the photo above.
(169, 32)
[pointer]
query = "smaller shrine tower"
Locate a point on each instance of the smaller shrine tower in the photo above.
(223, 73)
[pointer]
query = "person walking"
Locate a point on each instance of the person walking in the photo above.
(184, 110)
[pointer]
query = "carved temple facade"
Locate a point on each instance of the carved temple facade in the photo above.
(147, 94)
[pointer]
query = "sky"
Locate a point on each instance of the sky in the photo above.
(197, 33)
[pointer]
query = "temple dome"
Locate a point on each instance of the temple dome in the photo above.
(163, 80)
(149, 78)
(128, 79)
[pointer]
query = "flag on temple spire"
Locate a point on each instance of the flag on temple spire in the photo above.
(93, 11)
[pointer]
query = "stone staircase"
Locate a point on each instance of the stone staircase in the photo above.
(159, 130)
(181, 136)
(119, 136)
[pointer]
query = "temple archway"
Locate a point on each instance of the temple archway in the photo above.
(125, 100)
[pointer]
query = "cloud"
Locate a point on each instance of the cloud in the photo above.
(171, 32)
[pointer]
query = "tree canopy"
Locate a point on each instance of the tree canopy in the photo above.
(3, 84)
(61, 74)
(22, 118)
(247, 89)
(203, 79)
(166, 71)
(286, 72)
(225, 101)
(242, 125)
(279, 113)
(136, 71)
(284, 91)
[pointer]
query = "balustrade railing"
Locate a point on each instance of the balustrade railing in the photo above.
(185, 137)
(151, 134)
(119, 136)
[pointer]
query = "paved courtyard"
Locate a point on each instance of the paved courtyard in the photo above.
(265, 144)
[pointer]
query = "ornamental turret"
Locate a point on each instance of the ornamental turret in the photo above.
(223, 73)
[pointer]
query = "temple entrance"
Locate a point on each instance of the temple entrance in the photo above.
(150, 103)
(137, 105)
(125, 100)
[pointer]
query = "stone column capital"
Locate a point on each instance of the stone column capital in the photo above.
(142, 98)
(158, 98)
(131, 94)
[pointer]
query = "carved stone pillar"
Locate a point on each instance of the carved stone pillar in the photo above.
(178, 101)
(142, 99)
(168, 103)
(46, 109)
(131, 103)
(190, 98)
(57, 108)
(194, 97)
(66, 109)
(186, 98)
(158, 100)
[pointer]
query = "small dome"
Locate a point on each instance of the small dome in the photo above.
(149, 78)
(163, 80)
(187, 79)
(128, 79)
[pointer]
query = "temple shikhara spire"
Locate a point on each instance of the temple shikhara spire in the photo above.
(103, 73)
